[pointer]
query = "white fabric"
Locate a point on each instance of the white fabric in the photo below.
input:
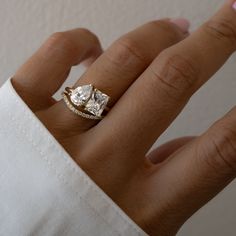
(42, 190)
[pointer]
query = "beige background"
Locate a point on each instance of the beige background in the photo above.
(25, 24)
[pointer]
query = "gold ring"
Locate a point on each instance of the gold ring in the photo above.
(86, 101)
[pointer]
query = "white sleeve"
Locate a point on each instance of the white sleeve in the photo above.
(42, 190)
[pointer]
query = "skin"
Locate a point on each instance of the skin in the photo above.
(150, 74)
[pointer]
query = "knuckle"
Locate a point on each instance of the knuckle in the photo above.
(223, 30)
(175, 73)
(125, 50)
(168, 28)
(90, 35)
(61, 42)
(65, 43)
(59, 38)
(223, 143)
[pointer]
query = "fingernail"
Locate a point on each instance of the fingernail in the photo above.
(182, 23)
(234, 6)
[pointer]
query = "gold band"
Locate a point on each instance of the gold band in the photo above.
(78, 112)
(86, 101)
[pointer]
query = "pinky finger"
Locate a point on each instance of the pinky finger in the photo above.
(44, 73)
(88, 62)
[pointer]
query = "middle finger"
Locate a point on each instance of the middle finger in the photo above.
(159, 94)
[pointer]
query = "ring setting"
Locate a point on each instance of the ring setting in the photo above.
(86, 101)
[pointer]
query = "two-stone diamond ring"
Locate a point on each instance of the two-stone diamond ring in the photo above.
(86, 101)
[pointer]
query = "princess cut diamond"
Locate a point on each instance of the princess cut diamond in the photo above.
(97, 103)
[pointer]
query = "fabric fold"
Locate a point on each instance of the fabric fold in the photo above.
(42, 190)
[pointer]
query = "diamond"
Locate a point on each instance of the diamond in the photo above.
(97, 103)
(81, 94)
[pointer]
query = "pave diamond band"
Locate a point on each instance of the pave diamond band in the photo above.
(86, 101)
(78, 112)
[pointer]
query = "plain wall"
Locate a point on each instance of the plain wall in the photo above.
(25, 24)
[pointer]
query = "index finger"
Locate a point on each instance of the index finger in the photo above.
(156, 98)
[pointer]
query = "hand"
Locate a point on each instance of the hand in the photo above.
(150, 74)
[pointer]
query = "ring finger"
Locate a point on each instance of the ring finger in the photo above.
(115, 70)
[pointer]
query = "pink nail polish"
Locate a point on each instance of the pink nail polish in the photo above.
(182, 23)
(234, 6)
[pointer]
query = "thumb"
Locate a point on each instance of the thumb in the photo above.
(200, 170)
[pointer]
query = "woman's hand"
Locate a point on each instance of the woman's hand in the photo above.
(150, 74)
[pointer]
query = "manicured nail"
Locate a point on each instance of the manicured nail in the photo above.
(182, 23)
(234, 6)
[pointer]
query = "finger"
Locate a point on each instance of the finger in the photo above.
(162, 153)
(88, 62)
(122, 63)
(160, 93)
(127, 58)
(200, 170)
(43, 74)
